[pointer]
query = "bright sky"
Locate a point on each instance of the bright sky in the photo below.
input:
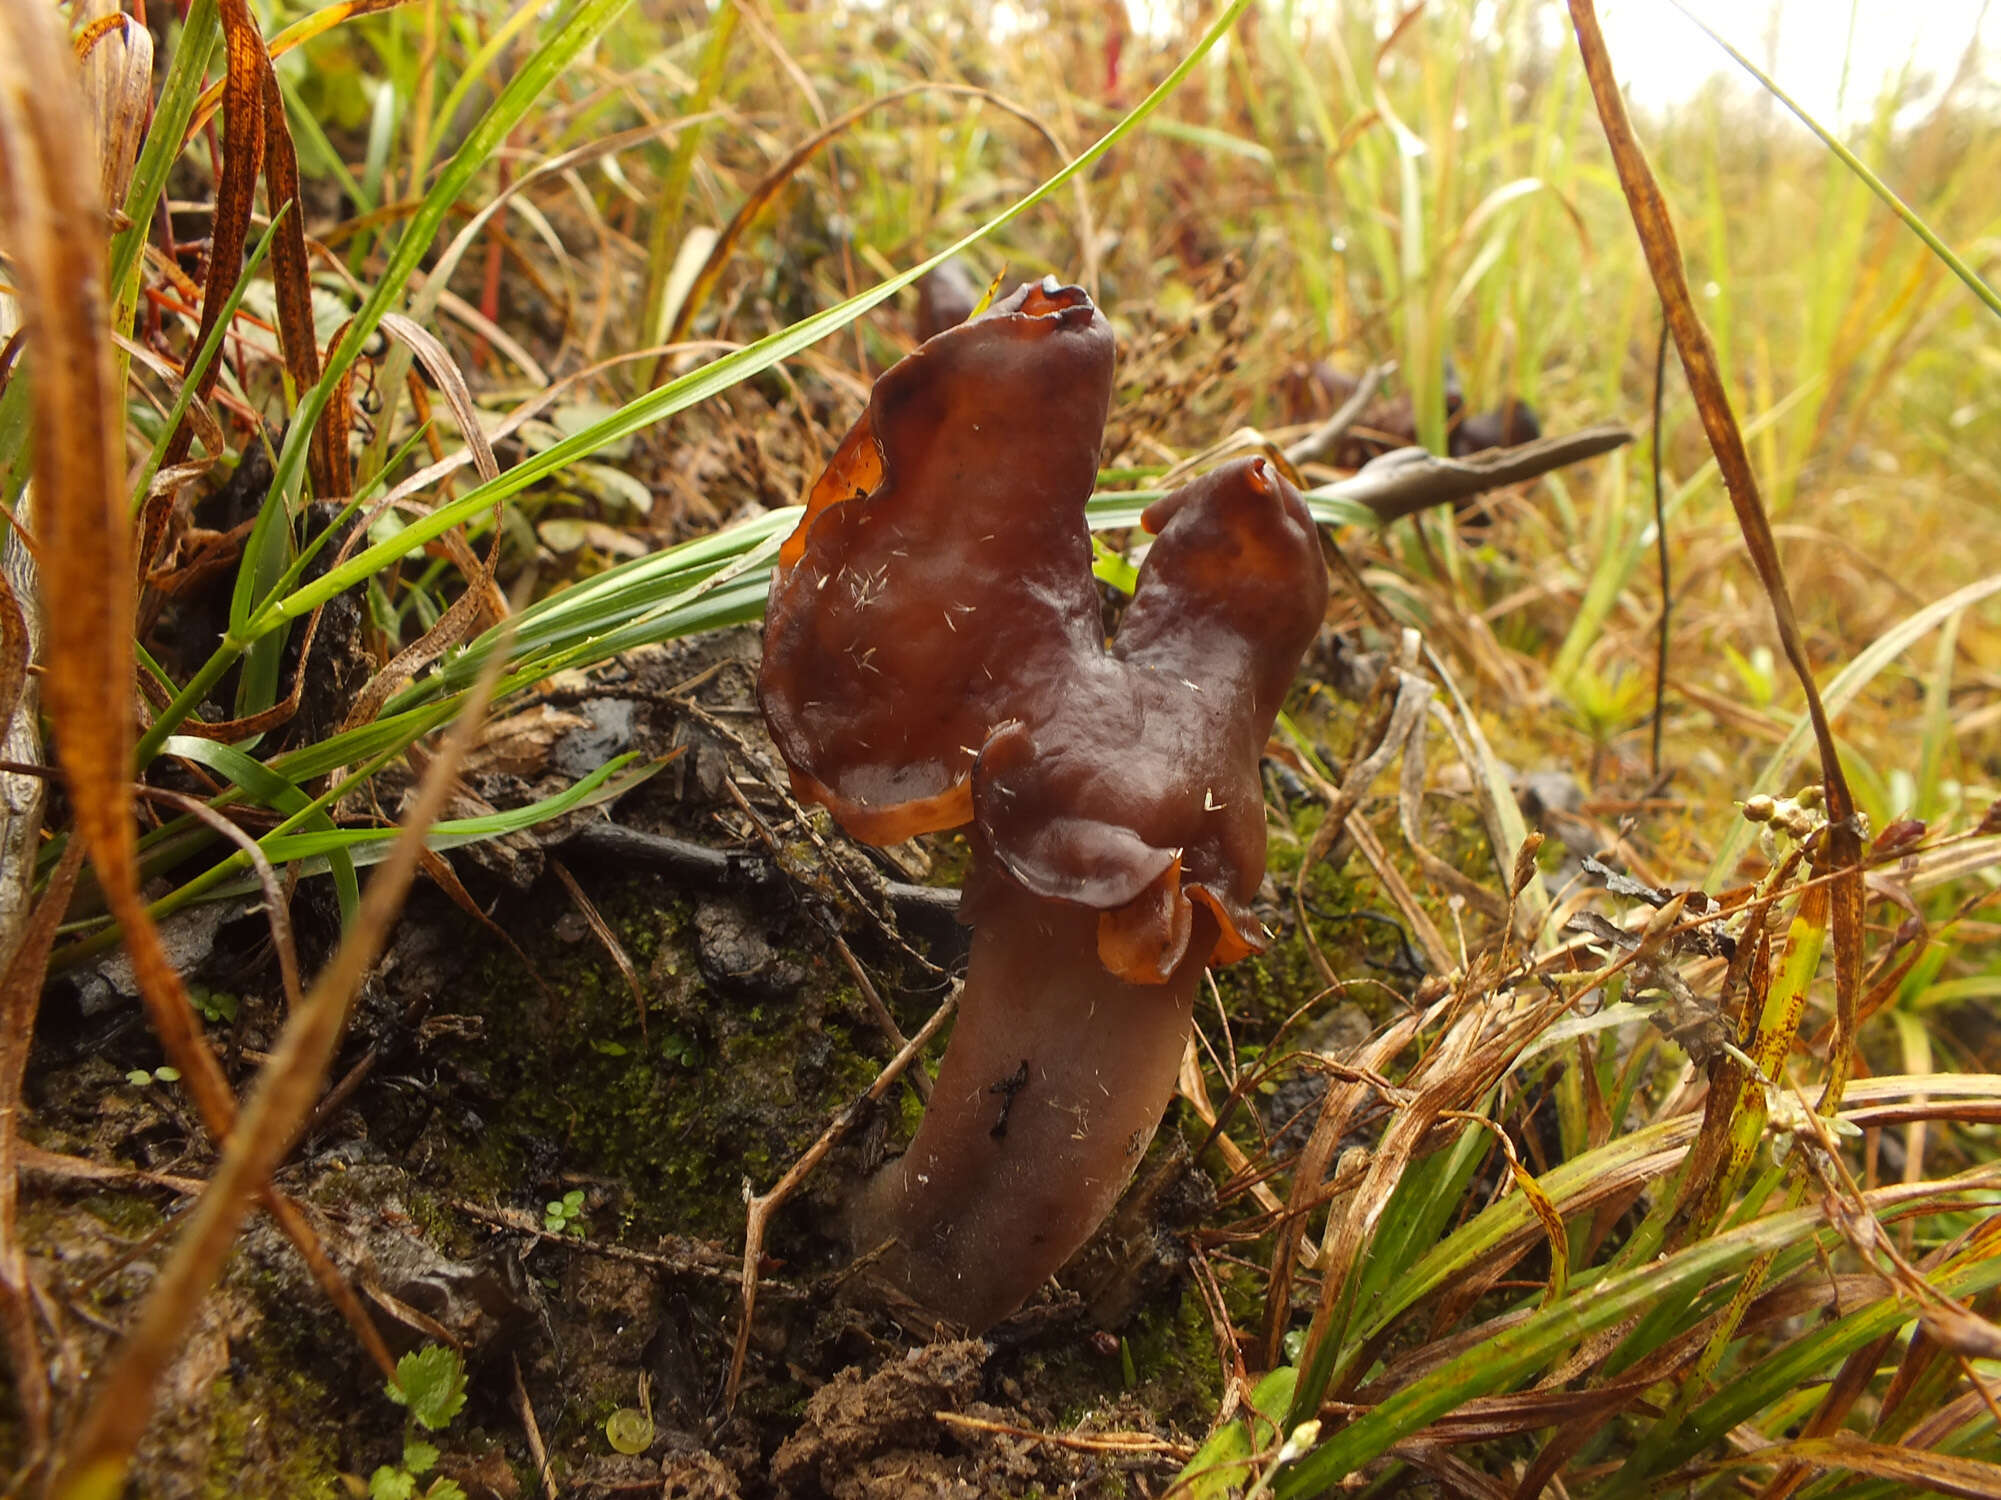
(1661, 55)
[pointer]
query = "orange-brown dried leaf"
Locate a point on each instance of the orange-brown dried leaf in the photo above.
(14, 648)
(291, 278)
(243, 115)
(1655, 226)
(299, 32)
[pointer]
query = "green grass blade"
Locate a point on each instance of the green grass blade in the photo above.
(1837, 695)
(1517, 1352)
(275, 792)
(696, 386)
(1972, 278)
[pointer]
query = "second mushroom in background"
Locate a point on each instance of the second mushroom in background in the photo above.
(934, 657)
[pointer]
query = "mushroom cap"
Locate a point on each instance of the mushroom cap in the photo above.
(1511, 423)
(942, 566)
(934, 653)
(1135, 788)
(946, 297)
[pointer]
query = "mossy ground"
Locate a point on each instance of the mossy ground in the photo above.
(528, 1075)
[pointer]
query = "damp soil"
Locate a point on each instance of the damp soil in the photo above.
(547, 1116)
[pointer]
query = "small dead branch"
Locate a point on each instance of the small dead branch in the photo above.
(607, 939)
(688, 1258)
(55, 1166)
(538, 1452)
(689, 863)
(1409, 480)
(1320, 444)
(1079, 1442)
(760, 1208)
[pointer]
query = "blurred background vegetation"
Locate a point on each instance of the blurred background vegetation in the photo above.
(639, 253)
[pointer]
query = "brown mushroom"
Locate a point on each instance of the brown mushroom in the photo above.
(934, 656)
(1508, 425)
(1311, 391)
(946, 297)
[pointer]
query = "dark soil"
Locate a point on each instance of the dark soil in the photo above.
(497, 1063)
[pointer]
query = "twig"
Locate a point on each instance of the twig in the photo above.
(538, 1454)
(878, 1012)
(335, 1099)
(1410, 480)
(58, 1167)
(607, 939)
(695, 864)
(693, 1258)
(1319, 445)
(760, 1208)
(1107, 1442)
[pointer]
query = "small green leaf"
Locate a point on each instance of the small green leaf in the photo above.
(139, 1078)
(1222, 1466)
(553, 1208)
(629, 1430)
(1108, 567)
(573, 1200)
(419, 1456)
(432, 1383)
(391, 1484)
(445, 1489)
(167, 1073)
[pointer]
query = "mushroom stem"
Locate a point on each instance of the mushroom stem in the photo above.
(1055, 1078)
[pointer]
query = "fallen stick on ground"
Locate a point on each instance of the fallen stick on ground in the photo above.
(1409, 480)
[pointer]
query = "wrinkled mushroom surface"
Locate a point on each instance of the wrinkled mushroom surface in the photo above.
(934, 656)
(941, 573)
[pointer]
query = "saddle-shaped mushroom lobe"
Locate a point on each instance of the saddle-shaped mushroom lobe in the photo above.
(934, 657)
(942, 569)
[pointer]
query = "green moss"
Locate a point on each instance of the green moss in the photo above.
(711, 1090)
(951, 859)
(439, 1224)
(274, 1428)
(1173, 1350)
(1174, 1354)
(131, 1216)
